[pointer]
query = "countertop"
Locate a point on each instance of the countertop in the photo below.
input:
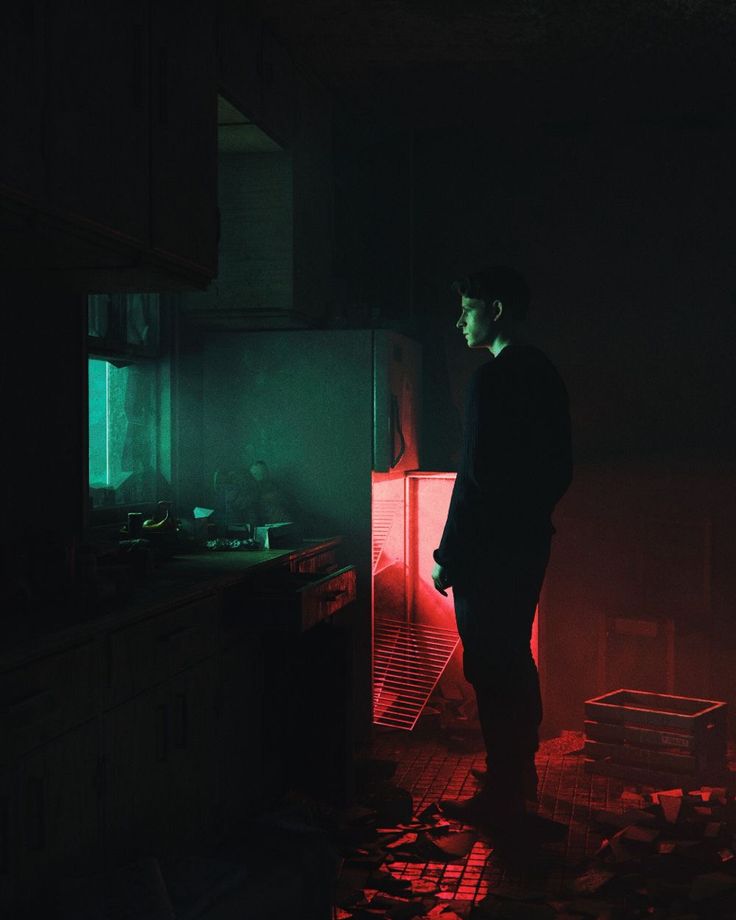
(175, 581)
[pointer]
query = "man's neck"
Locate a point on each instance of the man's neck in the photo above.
(498, 344)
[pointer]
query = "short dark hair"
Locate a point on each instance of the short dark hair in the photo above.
(497, 283)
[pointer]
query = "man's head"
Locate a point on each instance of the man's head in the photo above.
(493, 301)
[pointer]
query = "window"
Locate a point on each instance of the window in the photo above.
(128, 400)
(124, 324)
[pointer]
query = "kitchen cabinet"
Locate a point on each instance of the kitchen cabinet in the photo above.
(278, 90)
(58, 827)
(255, 73)
(157, 648)
(184, 220)
(21, 104)
(240, 789)
(46, 698)
(158, 770)
(239, 61)
(8, 835)
(97, 111)
(109, 161)
(155, 732)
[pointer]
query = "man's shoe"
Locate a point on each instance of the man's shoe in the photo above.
(468, 811)
(530, 780)
(485, 811)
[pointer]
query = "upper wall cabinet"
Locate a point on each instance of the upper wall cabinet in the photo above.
(21, 111)
(184, 221)
(110, 146)
(97, 104)
(239, 62)
(278, 95)
(21, 103)
(255, 72)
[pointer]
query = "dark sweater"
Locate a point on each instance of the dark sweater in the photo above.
(517, 460)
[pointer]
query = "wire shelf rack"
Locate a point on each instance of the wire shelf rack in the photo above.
(408, 660)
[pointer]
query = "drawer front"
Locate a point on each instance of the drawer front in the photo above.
(324, 561)
(141, 656)
(319, 600)
(46, 698)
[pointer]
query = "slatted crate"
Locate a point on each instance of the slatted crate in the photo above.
(657, 738)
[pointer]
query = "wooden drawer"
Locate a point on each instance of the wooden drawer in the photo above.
(147, 653)
(323, 561)
(300, 601)
(46, 698)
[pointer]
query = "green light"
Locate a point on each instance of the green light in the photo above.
(123, 431)
(98, 452)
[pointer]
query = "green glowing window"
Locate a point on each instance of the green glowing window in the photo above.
(123, 432)
(128, 399)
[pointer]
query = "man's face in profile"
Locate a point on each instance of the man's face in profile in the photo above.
(476, 322)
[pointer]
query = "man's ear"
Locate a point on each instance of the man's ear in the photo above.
(497, 307)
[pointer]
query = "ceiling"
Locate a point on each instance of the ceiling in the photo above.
(439, 59)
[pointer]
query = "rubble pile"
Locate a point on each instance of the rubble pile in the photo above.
(671, 855)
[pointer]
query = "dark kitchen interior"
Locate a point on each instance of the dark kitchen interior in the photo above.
(225, 229)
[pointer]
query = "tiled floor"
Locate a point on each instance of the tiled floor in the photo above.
(567, 793)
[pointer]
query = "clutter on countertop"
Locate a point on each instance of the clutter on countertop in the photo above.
(253, 495)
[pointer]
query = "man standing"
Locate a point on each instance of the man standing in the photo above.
(516, 465)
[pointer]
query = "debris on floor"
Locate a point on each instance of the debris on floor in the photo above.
(630, 852)
(136, 891)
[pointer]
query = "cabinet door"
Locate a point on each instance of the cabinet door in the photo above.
(159, 767)
(240, 733)
(136, 755)
(97, 111)
(239, 58)
(278, 99)
(8, 834)
(21, 84)
(184, 135)
(193, 763)
(59, 808)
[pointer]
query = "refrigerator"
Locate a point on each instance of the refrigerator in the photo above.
(416, 643)
(331, 414)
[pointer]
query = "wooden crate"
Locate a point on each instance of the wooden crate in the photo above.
(657, 738)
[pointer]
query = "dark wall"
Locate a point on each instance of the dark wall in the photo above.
(612, 188)
(624, 225)
(625, 231)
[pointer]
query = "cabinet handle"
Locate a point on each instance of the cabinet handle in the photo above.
(162, 733)
(181, 720)
(333, 596)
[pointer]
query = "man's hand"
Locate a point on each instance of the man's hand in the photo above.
(439, 577)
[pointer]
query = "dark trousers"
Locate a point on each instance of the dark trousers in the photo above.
(495, 601)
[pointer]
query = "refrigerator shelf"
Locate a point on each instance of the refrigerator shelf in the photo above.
(409, 659)
(386, 512)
